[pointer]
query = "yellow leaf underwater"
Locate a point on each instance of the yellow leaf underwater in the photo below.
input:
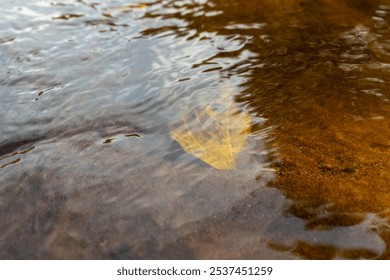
(215, 136)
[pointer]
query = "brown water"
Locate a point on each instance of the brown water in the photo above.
(90, 93)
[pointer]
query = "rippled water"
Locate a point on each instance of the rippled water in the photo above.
(91, 92)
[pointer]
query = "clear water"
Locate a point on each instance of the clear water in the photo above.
(89, 95)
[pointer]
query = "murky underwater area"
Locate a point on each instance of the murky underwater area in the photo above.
(195, 129)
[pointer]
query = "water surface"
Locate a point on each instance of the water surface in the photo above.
(91, 92)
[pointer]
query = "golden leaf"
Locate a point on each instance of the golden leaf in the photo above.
(215, 136)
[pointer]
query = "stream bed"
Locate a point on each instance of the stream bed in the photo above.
(195, 129)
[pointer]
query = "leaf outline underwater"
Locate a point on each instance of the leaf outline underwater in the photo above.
(215, 136)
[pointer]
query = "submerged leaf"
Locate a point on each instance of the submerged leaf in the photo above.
(215, 136)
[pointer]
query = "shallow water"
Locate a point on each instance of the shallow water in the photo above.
(92, 91)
